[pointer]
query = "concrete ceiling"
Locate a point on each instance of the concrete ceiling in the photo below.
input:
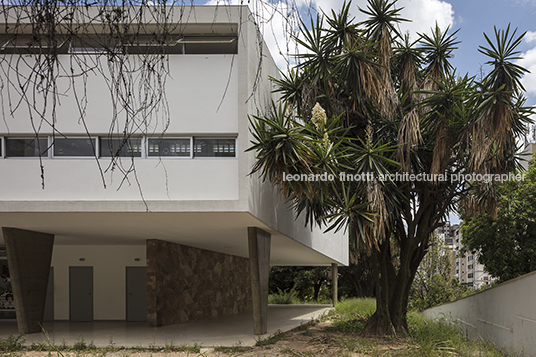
(221, 232)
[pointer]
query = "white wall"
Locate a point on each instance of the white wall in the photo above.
(202, 98)
(264, 202)
(504, 315)
(80, 179)
(197, 85)
(109, 264)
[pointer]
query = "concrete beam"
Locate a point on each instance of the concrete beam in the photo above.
(28, 256)
(335, 283)
(259, 264)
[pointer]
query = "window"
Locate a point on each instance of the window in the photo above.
(209, 45)
(470, 276)
(106, 146)
(123, 147)
(26, 147)
(72, 147)
(470, 257)
(19, 44)
(214, 147)
(179, 147)
(470, 266)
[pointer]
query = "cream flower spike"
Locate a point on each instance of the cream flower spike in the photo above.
(318, 115)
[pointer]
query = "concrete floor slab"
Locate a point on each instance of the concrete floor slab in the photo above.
(221, 331)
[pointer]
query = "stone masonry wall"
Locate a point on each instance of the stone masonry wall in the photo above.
(186, 283)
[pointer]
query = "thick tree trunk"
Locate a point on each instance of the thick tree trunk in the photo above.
(392, 290)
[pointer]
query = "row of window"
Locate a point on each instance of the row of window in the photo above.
(186, 147)
(140, 44)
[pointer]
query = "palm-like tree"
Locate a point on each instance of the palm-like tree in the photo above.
(366, 101)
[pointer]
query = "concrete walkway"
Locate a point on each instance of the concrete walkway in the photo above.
(222, 331)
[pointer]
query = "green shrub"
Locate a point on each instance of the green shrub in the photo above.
(284, 297)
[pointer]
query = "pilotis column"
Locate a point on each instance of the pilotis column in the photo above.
(259, 263)
(28, 256)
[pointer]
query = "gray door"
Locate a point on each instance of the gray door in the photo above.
(81, 293)
(49, 302)
(136, 294)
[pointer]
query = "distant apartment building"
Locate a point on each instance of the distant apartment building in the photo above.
(465, 268)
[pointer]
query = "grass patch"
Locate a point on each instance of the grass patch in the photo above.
(351, 315)
(428, 338)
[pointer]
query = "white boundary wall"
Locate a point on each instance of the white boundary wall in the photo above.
(504, 315)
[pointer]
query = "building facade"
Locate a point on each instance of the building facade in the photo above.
(465, 266)
(189, 233)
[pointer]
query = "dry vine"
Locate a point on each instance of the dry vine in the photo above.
(51, 49)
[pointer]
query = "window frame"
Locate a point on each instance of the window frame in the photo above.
(145, 149)
(235, 138)
(25, 137)
(142, 146)
(52, 144)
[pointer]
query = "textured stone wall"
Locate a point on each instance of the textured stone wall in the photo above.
(186, 283)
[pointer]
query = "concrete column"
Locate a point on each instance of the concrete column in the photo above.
(28, 257)
(259, 265)
(335, 282)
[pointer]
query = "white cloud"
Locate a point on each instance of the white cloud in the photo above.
(424, 14)
(529, 62)
(530, 36)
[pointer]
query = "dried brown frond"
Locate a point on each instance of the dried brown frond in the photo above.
(442, 150)
(388, 99)
(493, 128)
(308, 97)
(408, 78)
(375, 233)
(409, 136)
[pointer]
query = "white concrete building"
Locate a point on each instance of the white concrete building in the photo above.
(468, 270)
(191, 204)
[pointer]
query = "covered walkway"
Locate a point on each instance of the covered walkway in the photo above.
(221, 331)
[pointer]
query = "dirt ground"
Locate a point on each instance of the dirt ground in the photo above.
(312, 340)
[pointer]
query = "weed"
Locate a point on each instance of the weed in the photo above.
(12, 343)
(81, 345)
(270, 340)
(233, 350)
(39, 346)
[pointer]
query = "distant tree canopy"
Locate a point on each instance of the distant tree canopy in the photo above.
(380, 136)
(506, 245)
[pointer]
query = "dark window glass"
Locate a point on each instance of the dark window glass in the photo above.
(120, 147)
(214, 147)
(210, 48)
(168, 147)
(470, 275)
(26, 147)
(74, 147)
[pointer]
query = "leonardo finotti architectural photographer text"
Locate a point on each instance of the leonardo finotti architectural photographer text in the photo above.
(404, 176)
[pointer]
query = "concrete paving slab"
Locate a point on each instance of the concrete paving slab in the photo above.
(221, 331)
